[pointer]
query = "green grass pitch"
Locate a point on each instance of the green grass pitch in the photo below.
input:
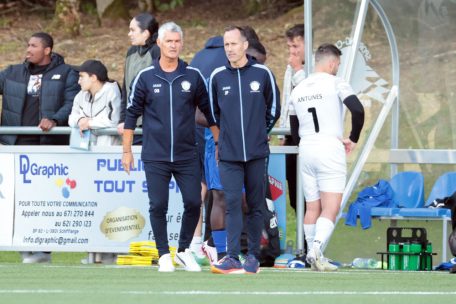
(60, 283)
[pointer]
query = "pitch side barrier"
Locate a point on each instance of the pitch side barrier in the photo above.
(55, 198)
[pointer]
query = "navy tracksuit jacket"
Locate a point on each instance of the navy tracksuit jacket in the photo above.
(169, 146)
(169, 111)
(245, 104)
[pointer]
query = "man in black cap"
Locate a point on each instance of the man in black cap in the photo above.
(97, 105)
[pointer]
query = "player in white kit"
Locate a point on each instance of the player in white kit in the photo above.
(318, 102)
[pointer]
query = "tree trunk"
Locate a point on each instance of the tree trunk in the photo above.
(112, 9)
(66, 17)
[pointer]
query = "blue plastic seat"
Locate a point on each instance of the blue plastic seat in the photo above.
(408, 187)
(443, 187)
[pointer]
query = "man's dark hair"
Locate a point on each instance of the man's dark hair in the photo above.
(250, 33)
(254, 40)
(148, 22)
(257, 46)
(327, 49)
(46, 39)
(295, 31)
(235, 27)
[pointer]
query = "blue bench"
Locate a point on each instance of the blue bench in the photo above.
(408, 187)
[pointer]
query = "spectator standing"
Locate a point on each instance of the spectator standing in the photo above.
(144, 50)
(38, 92)
(294, 74)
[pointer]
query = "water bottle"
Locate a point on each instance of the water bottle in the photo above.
(393, 259)
(415, 249)
(428, 256)
(365, 263)
(406, 256)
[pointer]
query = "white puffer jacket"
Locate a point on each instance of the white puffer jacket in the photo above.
(103, 111)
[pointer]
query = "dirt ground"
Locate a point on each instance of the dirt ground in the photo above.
(109, 42)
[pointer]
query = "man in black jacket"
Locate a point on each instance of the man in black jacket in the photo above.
(166, 94)
(245, 104)
(38, 92)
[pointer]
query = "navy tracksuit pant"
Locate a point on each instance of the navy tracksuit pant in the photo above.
(233, 176)
(188, 177)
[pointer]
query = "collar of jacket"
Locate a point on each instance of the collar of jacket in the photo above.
(143, 49)
(56, 60)
(106, 87)
(181, 67)
(250, 61)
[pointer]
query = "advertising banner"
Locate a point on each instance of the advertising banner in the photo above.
(277, 185)
(83, 202)
(87, 202)
(6, 199)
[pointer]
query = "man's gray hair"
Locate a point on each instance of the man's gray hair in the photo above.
(170, 27)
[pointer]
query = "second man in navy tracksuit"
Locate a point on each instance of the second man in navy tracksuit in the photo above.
(166, 94)
(245, 104)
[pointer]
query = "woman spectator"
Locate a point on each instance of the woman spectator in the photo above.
(143, 35)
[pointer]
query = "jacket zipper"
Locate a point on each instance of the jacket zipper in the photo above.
(171, 118)
(242, 116)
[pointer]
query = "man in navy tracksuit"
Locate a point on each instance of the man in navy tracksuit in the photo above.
(245, 105)
(166, 94)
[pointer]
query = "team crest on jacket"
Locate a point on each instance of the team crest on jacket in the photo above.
(254, 86)
(185, 85)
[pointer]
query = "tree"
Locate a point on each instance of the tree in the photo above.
(112, 9)
(66, 17)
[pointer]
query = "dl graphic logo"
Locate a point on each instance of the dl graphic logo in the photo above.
(67, 185)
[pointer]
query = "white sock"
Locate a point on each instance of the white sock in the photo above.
(196, 243)
(323, 230)
(309, 231)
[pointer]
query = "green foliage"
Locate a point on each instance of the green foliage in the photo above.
(89, 7)
(169, 5)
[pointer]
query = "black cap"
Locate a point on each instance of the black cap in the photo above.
(94, 67)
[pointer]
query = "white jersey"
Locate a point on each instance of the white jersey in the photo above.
(318, 103)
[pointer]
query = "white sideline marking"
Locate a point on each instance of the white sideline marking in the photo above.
(33, 291)
(290, 293)
(234, 293)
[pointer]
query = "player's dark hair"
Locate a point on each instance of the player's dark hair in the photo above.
(235, 27)
(325, 50)
(295, 31)
(45, 38)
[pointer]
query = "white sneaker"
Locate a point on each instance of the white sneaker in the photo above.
(322, 263)
(187, 260)
(37, 257)
(311, 259)
(25, 254)
(165, 263)
(211, 253)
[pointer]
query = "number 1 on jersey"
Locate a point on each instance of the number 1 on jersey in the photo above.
(315, 118)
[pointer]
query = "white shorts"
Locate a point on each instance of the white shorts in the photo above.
(323, 166)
